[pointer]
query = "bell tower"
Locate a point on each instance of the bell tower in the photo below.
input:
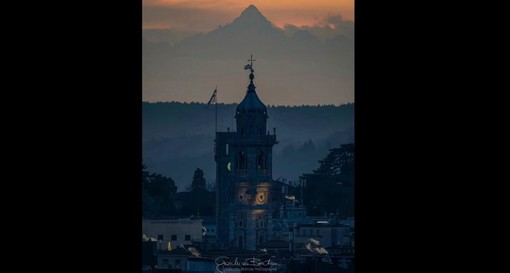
(246, 194)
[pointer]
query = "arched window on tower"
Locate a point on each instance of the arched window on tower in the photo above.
(261, 161)
(242, 161)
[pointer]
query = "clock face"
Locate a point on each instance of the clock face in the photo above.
(229, 167)
(261, 198)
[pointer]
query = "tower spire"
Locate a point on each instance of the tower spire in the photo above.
(251, 87)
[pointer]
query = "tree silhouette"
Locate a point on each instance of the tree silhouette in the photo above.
(198, 183)
(156, 194)
(198, 200)
(338, 161)
(329, 189)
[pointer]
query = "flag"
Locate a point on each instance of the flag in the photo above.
(213, 98)
(248, 66)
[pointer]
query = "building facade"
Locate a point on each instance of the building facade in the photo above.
(247, 197)
(327, 235)
(176, 232)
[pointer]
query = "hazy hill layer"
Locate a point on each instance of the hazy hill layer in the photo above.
(179, 137)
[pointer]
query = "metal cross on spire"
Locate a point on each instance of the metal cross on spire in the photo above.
(251, 60)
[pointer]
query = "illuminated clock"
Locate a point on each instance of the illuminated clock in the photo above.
(229, 167)
(261, 198)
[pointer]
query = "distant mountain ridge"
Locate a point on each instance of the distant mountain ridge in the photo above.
(288, 67)
(250, 31)
(165, 36)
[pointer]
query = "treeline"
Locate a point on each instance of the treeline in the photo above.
(170, 119)
(160, 198)
(330, 187)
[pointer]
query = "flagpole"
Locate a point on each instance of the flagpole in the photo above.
(216, 111)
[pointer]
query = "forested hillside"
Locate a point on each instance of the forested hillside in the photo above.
(179, 137)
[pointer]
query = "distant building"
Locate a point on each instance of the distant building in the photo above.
(292, 210)
(176, 258)
(247, 197)
(348, 222)
(176, 232)
(209, 224)
(342, 255)
(291, 215)
(209, 240)
(327, 234)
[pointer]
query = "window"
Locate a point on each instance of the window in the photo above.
(311, 232)
(174, 237)
(226, 149)
(187, 238)
(160, 237)
(242, 161)
(318, 232)
(261, 161)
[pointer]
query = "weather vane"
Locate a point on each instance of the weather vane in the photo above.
(250, 66)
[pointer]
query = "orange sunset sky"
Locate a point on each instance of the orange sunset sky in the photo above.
(206, 15)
